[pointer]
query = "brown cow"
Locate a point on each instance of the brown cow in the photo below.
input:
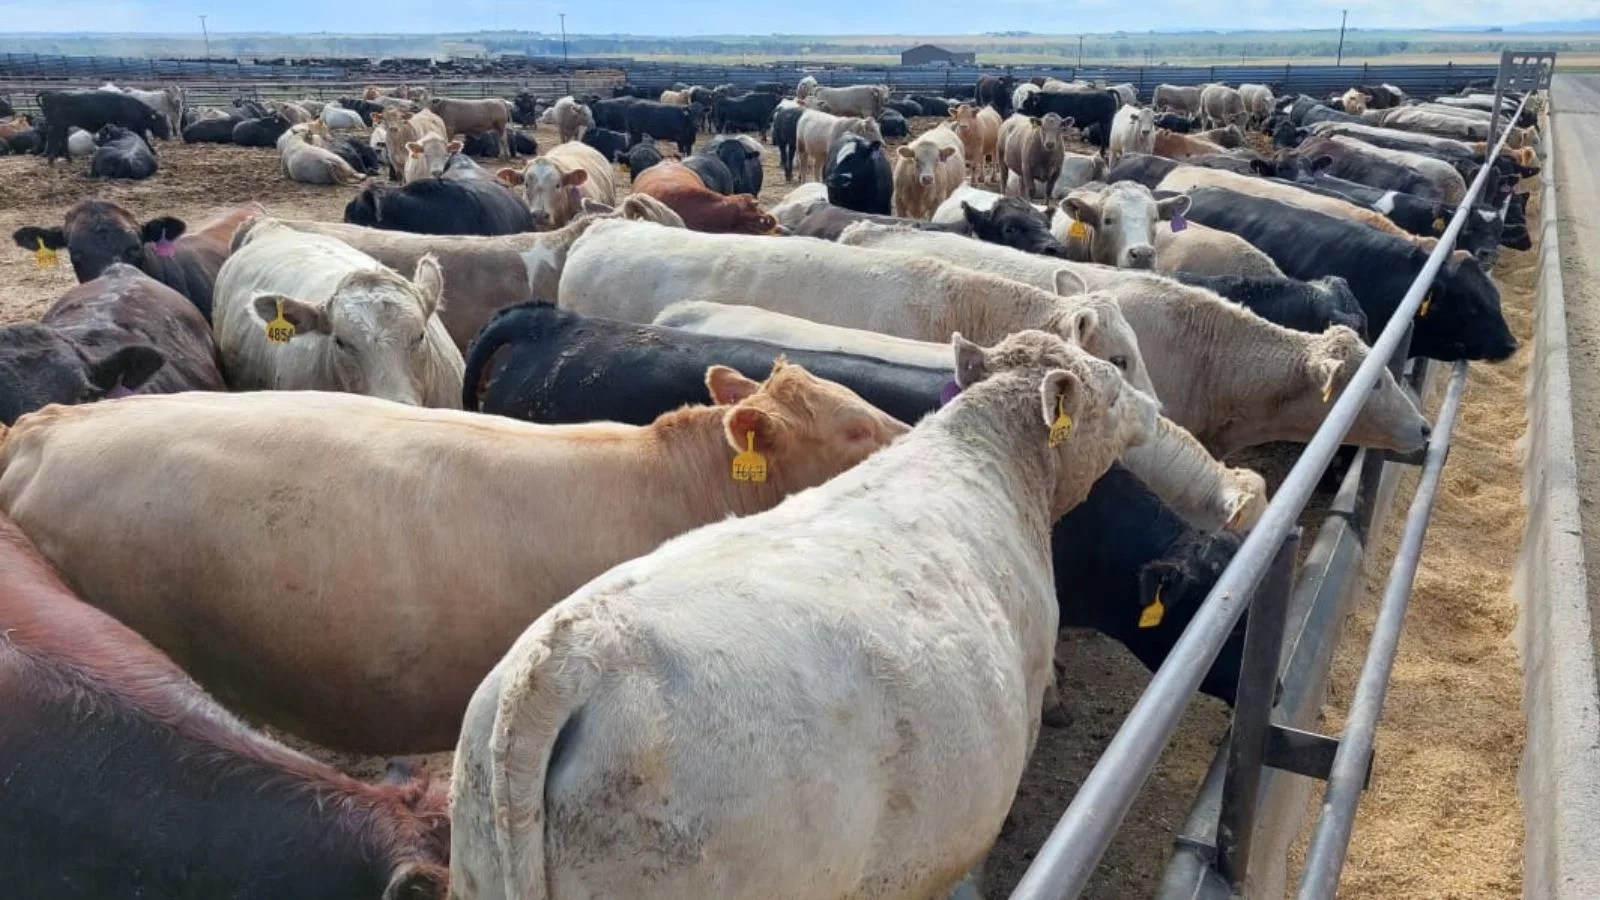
(979, 130)
(1182, 146)
(703, 209)
(474, 117)
(103, 735)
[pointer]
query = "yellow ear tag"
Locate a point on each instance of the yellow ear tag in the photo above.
(1438, 224)
(1422, 311)
(1077, 230)
(750, 465)
(1327, 392)
(44, 257)
(1151, 616)
(1061, 428)
(280, 330)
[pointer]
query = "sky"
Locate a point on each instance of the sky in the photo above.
(831, 17)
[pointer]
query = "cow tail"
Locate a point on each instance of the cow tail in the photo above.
(499, 331)
(559, 672)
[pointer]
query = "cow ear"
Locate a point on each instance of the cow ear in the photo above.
(974, 217)
(1069, 283)
(946, 152)
(305, 318)
(1059, 392)
(128, 368)
(1034, 121)
(453, 147)
(418, 881)
(429, 279)
(1085, 322)
(1173, 207)
(1068, 122)
(972, 361)
(415, 149)
(164, 227)
(575, 178)
(1083, 209)
(29, 237)
(509, 177)
(1320, 163)
(728, 386)
(748, 428)
(906, 152)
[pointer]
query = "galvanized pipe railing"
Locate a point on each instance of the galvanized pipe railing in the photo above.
(1069, 855)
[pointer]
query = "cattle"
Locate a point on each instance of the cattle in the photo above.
(1182, 146)
(483, 146)
(1207, 251)
(1309, 306)
(1354, 102)
(1382, 96)
(1482, 234)
(168, 101)
(118, 334)
(785, 124)
(121, 153)
(932, 106)
(805, 87)
(675, 98)
(995, 91)
(556, 184)
(893, 125)
(904, 394)
(6, 109)
(1345, 158)
(925, 172)
(366, 109)
(1132, 131)
(212, 131)
(965, 601)
(642, 156)
(1127, 93)
(294, 112)
(1077, 170)
(859, 175)
(358, 153)
(827, 221)
(1019, 95)
(747, 112)
(301, 161)
(1462, 320)
(1464, 157)
(1258, 103)
(263, 132)
(1014, 223)
(298, 312)
(448, 205)
(1090, 111)
(24, 141)
(816, 132)
(371, 690)
(713, 173)
(147, 744)
(742, 156)
(334, 115)
(427, 158)
(1180, 328)
(571, 118)
(660, 120)
(1228, 137)
(251, 109)
(1177, 123)
(702, 208)
(92, 111)
(97, 233)
(402, 129)
(1408, 118)
(488, 115)
(860, 100)
(1444, 181)
(1031, 146)
(611, 145)
(1220, 106)
(923, 299)
(81, 143)
(1121, 221)
(612, 113)
(979, 131)
(1172, 97)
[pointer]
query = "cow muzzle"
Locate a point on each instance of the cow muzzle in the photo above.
(1142, 256)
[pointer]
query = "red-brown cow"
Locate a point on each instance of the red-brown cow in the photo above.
(123, 779)
(703, 209)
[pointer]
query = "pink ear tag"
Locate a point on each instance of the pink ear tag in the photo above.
(948, 392)
(164, 247)
(1178, 224)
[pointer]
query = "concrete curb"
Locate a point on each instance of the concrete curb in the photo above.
(1559, 779)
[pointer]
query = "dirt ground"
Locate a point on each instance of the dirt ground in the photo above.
(1103, 679)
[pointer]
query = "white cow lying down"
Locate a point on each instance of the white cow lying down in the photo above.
(835, 698)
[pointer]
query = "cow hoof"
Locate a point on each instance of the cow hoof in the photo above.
(1056, 717)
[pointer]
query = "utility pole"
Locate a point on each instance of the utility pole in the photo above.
(207, 35)
(1080, 51)
(563, 37)
(1343, 17)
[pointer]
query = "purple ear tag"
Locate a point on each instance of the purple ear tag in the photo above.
(948, 392)
(118, 391)
(1178, 224)
(574, 193)
(164, 247)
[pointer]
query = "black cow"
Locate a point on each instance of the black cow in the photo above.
(700, 115)
(525, 109)
(1463, 318)
(1014, 222)
(613, 114)
(907, 108)
(1323, 155)
(487, 146)
(784, 124)
(742, 156)
(893, 125)
(1381, 96)
(1090, 111)
(30, 140)
(1113, 553)
(251, 109)
(211, 131)
(121, 154)
(6, 109)
(260, 132)
(660, 120)
(932, 106)
(642, 156)
(858, 175)
(826, 221)
(714, 174)
(995, 90)
(366, 109)
(610, 144)
(1285, 134)
(92, 111)
(1309, 306)
(1177, 122)
(1483, 232)
(635, 91)
(746, 112)
(355, 151)
(469, 204)
(769, 87)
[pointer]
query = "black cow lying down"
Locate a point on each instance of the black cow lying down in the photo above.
(122, 154)
(458, 205)
(1113, 554)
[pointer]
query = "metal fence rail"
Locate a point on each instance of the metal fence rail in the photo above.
(1214, 849)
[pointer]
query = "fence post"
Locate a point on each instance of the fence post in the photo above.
(1288, 79)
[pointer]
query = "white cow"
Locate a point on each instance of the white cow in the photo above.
(336, 116)
(816, 130)
(306, 163)
(168, 101)
(354, 325)
(570, 118)
(1121, 223)
(1133, 130)
(895, 672)
(863, 100)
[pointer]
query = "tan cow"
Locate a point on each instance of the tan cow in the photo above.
(488, 116)
(816, 130)
(301, 161)
(1176, 98)
(401, 129)
(326, 606)
(1221, 106)
(1199, 250)
(296, 311)
(819, 682)
(1185, 178)
(1032, 147)
(293, 112)
(979, 130)
(1173, 145)
(1258, 102)
(1354, 102)
(858, 100)
(926, 171)
(675, 98)
(428, 157)
(556, 184)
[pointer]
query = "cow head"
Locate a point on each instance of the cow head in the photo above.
(1463, 318)
(1048, 128)
(808, 429)
(1388, 421)
(963, 119)
(429, 157)
(97, 233)
(1013, 222)
(1122, 220)
(1094, 321)
(553, 192)
(1340, 303)
(39, 367)
(924, 157)
(375, 326)
(853, 169)
(1180, 578)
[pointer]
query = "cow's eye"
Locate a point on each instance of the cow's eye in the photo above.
(1120, 362)
(340, 343)
(417, 342)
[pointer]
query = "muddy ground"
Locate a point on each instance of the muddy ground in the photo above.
(1103, 680)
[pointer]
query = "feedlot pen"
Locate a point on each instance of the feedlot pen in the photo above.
(1441, 816)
